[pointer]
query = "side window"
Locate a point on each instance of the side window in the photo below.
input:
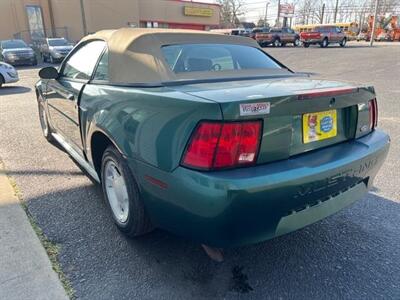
(81, 64)
(102, 68)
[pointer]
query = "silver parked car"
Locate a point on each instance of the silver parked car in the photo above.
(8, 74)
(55, 49)
(17, 52)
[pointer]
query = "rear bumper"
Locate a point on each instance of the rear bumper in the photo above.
(311, 41)
(10, 77)
(249, 205)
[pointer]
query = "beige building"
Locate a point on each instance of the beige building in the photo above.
(35, 19)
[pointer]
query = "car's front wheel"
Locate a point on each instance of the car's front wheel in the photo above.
(306, 45)
(297, 42)
(324, 43)
(122, 195)
(343, 42)
(276, 43)
(44, 122)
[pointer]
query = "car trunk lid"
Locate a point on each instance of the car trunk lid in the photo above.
(286, 107)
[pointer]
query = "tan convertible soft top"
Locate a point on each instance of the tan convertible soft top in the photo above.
(135, 55)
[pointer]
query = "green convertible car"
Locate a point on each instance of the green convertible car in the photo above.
(207, 136)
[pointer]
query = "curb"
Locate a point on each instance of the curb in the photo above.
(25, 269)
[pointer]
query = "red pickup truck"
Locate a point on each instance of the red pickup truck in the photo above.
(278, 37)
(324, 35)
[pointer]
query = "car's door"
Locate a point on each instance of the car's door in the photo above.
(283, 35)
(290, 35)
(335, 34)
(63, 93)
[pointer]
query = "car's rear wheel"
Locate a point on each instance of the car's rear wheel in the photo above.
(122, 195)
(324, 43)
(44, 122)
(276, 43)
(306, 45)
(343, 42)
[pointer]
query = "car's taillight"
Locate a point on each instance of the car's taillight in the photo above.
(373, 113)
(218, 145)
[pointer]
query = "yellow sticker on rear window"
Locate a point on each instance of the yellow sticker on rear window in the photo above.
(319, 126)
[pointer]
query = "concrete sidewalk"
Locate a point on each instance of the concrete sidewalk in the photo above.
(25, 269)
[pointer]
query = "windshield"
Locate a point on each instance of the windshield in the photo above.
(216, 57)
(58, 42)
(13, 44)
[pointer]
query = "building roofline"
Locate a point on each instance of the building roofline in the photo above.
(175, 22)
(196, 2)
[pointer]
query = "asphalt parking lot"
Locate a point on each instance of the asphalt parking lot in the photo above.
(354, 254)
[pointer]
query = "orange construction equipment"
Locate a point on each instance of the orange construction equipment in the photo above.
(386, 28)
(394, 31)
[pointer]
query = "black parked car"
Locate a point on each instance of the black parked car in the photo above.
(55, 49)
(17, 52)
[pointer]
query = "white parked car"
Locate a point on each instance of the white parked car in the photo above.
(8, 74)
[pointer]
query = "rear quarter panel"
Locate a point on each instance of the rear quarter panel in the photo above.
(152, 125)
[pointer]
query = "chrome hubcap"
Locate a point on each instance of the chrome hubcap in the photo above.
(117, 192)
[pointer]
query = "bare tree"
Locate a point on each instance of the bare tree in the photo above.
(305, 11)
(231, 11)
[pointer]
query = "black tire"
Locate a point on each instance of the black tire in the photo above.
(306, 45)
(343, 43)
(324, 43)
(138, 222)
(1, 80)
(44, 122)
(276, 43)
(296, 42)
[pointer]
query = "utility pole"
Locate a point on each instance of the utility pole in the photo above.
(84, 26)
(336, 11)
(322, 13)
(371, 42)
(279, 13)
(266, 15)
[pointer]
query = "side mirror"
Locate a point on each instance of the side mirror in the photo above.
(48, 73)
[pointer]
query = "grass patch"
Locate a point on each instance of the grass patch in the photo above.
(51, 248)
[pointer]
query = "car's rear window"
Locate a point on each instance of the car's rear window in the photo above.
(215, 57)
